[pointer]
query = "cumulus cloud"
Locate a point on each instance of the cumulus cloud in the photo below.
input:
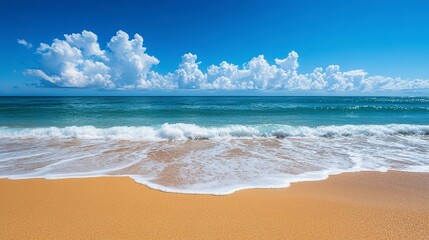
(188, 75)
(24, 43)
(226, 76)
(78, 61)
(87, 42)
(128, 60)
(290, 63)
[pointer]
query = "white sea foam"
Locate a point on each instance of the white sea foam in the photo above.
(181, 131)
(212, 160)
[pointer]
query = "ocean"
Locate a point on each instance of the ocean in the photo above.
(211, 145)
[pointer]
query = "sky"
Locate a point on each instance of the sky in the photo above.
(214, 47)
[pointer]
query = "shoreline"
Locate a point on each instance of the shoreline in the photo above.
(362, 205)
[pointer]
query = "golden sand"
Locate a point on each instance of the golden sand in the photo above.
(389, 205)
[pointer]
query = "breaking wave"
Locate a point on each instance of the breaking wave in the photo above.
(182, 131)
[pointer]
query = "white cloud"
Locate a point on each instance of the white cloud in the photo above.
(290, 63)
(129, 63)
(42, 75)
(24, 43)
(88, 43)
(226, 76)
(75, 62)
(188, 75)
(78, 61)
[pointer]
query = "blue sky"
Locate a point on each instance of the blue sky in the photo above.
(378, 38)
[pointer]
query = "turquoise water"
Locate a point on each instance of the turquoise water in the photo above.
(211, 111)
(211, 145)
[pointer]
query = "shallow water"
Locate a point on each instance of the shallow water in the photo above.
(213, 145)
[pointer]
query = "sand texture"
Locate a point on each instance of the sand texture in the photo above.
(368, 205)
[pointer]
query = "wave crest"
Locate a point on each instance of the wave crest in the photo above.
(182, 131)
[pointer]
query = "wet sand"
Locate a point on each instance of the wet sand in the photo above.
(367, 205)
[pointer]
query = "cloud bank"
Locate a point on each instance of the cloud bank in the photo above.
(78, 61)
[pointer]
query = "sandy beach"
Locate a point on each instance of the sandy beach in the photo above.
(366, 205)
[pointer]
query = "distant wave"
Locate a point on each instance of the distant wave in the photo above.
(182, 131)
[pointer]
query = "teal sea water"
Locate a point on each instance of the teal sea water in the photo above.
(106, 112)
(213, 145)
